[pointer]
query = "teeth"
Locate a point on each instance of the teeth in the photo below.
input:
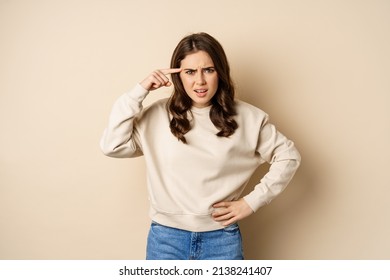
(200, 90)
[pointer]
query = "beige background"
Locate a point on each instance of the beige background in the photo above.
(320, 68)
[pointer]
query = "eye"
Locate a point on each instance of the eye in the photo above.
(209, 70)
(190, 72)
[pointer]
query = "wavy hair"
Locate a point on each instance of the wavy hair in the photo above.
(223, 106)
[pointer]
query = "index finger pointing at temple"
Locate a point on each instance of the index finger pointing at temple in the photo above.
(170, 71)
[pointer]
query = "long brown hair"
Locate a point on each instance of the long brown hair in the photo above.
(223, 105)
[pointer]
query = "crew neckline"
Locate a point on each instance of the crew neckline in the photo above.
(201, 110)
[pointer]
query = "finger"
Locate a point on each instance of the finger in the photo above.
(229, 222)
(220, 212)
(159, 76)
(224, 217)
(220, 204)
(170, 71)
(162, 76)
(227, 219)
(157, 80)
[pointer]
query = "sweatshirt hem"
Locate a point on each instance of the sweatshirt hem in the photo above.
(189, 222)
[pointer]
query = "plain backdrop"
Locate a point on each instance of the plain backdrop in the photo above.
(320, 69)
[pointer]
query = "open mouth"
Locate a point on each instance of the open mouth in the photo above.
(201, 92)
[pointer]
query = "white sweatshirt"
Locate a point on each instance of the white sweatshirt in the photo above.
(185, 180)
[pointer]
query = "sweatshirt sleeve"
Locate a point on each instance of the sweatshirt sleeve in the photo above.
(284, 160)
(120, 138)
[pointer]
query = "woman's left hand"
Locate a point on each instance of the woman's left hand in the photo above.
(230, 212)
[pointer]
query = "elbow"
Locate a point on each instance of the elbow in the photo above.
(294, 156)
(121, 151)
(114, 153)
(295, 161)
(297, 164)
(107, 149)
(298, 159)
(291, 155)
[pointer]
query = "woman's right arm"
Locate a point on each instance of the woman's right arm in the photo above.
(119, 139)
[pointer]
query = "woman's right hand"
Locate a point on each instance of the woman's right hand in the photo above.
(158, 78)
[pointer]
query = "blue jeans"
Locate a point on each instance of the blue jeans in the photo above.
(166, 243)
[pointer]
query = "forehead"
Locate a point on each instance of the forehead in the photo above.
(197, 59)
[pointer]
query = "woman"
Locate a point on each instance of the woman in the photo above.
(201, 147)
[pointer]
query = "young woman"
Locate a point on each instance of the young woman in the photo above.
(201, 146)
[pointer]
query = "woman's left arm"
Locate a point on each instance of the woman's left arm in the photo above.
(284, 160)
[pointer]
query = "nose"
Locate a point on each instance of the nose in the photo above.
(200, 79)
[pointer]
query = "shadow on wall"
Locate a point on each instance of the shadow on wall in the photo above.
(265, 231)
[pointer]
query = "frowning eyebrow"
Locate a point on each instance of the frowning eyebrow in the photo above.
(204, 68)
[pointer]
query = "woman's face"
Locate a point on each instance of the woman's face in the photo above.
(199, 78)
